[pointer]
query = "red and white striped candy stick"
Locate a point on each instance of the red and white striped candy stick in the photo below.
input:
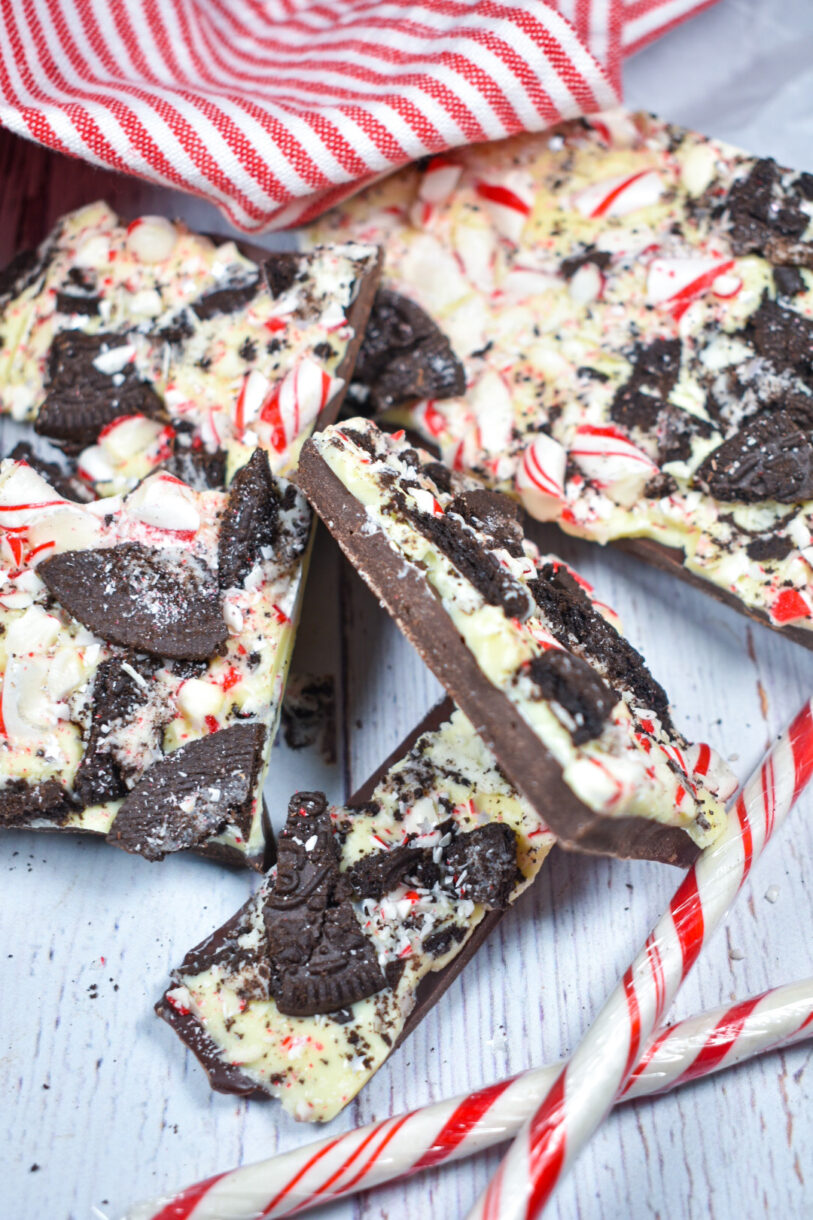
(451, 1130)
(586, 1087)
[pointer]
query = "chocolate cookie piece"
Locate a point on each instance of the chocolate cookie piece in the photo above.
(199, 469)
(771, 546)
(769, 459)
(570, 682)
(599, 258)
(159, 602)
(320, 960)
(483, 864)
(192, 794)
(64, 482)
(642, 402)
(764, 217)
(23, 270)
(788, 281)
(228, 299)
(405, 356)
(117, 695)
(492, 513)
(479, 566)
(80, 295)
(280, 271)
(375, 875)
(81, 400)
(250, 522)
(574, 621)
(782, 336)
(21, 802)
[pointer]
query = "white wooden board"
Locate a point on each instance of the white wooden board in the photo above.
(100, 1104)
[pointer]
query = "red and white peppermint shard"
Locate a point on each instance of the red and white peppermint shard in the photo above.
(294, 403)
(540, 480)
(573, 1106)
(439, 180)
(328, 1169)
(620, 195)
(614, 464)
(675, 283)
(508, 202)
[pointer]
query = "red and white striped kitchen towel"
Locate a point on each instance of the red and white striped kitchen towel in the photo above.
(274, 109)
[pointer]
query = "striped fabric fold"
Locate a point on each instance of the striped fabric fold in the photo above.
(276, 109)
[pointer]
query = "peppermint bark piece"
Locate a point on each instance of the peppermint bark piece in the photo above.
(565, 702)
(140, 345)
(146, 641)
(631, 305)
(371, 911)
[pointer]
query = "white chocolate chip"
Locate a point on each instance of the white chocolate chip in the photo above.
(198, 699)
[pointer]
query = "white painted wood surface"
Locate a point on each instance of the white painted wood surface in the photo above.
(100, 1104)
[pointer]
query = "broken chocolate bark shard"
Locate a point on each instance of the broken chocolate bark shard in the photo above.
(117, 694)
(160, 602)
(483, 864)
(570, 682)
(405, 356)
(320, 959)
(192, 794)
(250, 521)
(81, 398)
(770, 458)
(21, 802)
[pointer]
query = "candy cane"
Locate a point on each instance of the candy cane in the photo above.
(586, 1087)
(462, 1126)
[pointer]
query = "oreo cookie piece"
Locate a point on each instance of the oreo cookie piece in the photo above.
(320, 960)
(81, 398)
(198, 468)
(376, 874)
(768, 459)
(280, 271)
(782, 336)
(250, 522)
(569, 681)
(477, 564)
(405, 356)
(483, 864)
(66, 483)
(21, 802)
(160, 602)
(228, 299)
(763, 215)
(192, 794)
(574, 621)
(117, 695)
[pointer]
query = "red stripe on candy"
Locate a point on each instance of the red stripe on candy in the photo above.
(183, 1205)
(719, 1041)
(547, 1146)
(686, 909)
(634, 1010)
(801, 743)
(460, 1124)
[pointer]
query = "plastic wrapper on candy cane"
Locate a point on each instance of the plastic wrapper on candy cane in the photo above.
(450, 1130)
(571, 1107)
